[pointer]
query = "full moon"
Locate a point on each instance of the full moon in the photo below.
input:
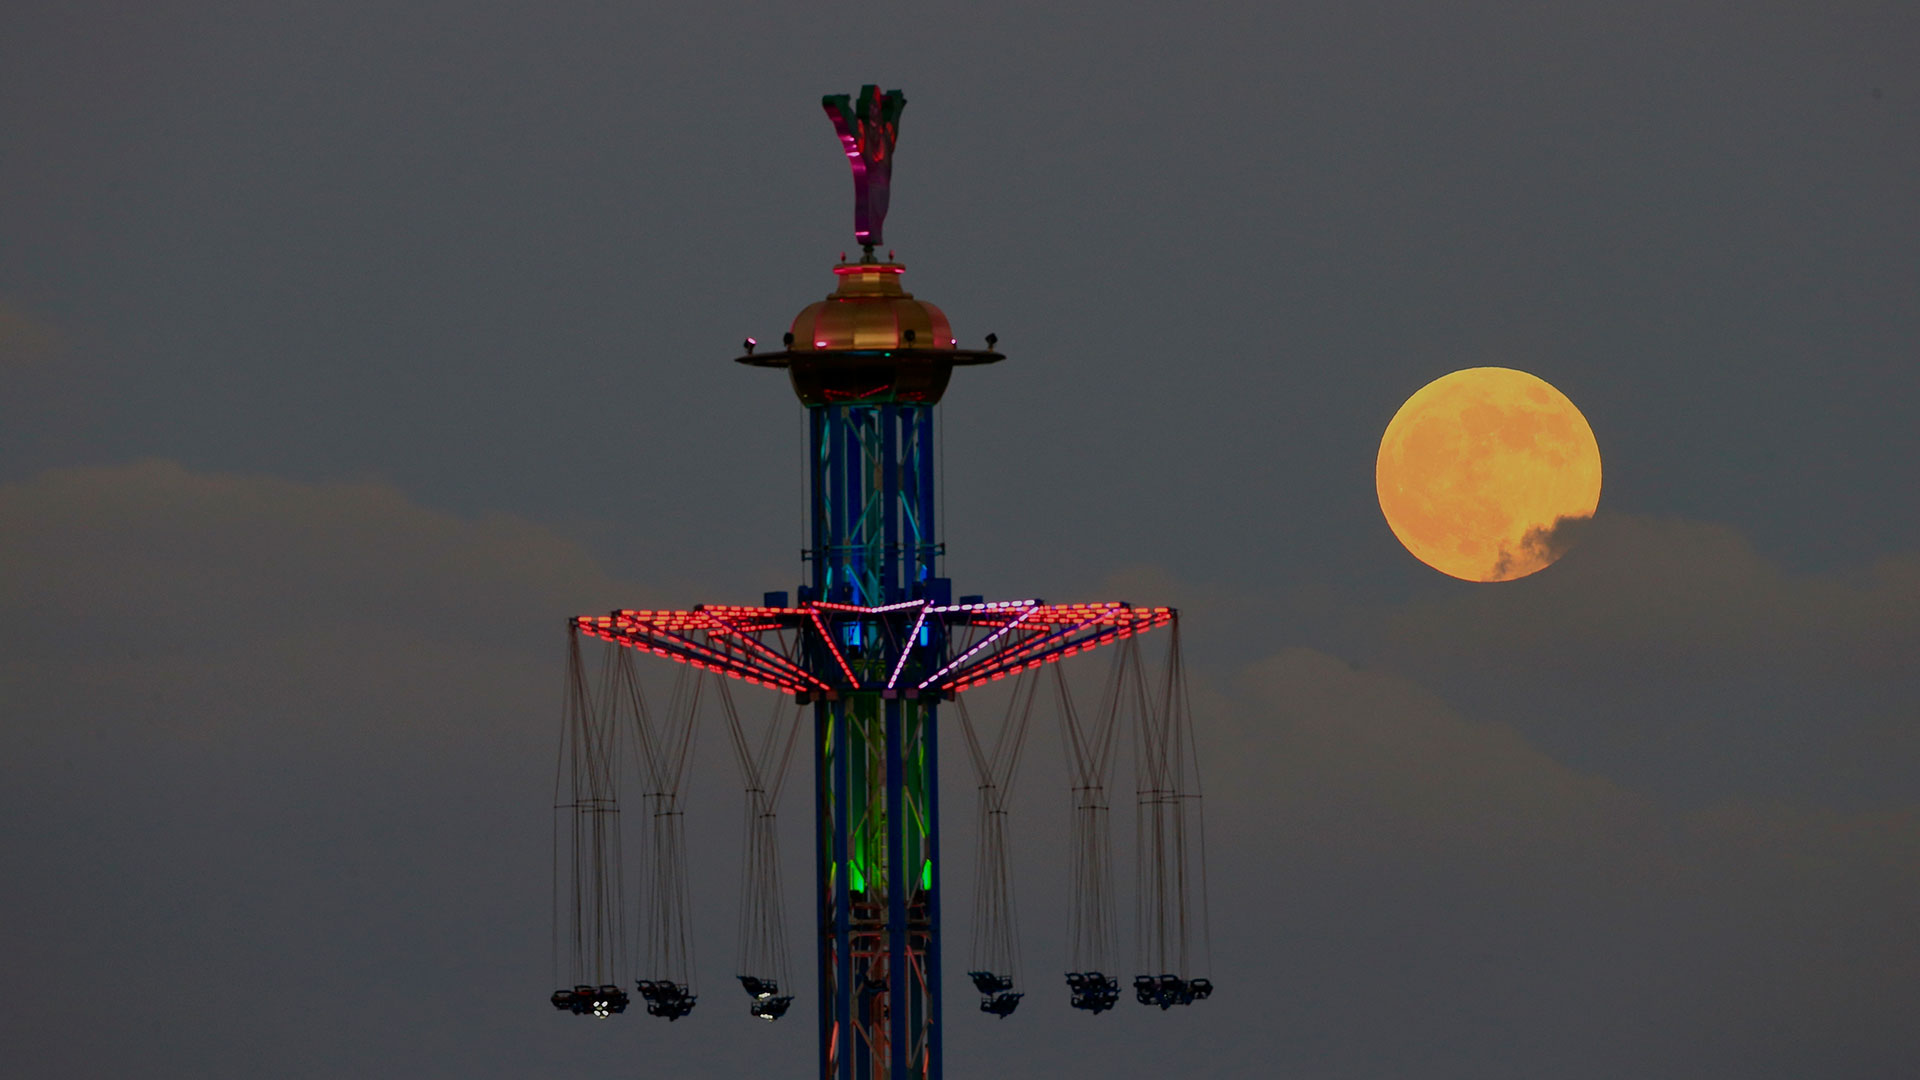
(1484, 474)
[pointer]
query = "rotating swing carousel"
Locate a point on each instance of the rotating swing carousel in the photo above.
(858, 666)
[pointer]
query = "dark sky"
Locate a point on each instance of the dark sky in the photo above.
(346, 348)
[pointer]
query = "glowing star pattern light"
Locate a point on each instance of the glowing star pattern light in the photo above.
(983, 642)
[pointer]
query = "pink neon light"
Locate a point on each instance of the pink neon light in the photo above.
(1035, 643)
(992, 605)
(995, 636)
(662, 633)
(1141, 621)
(907, 649)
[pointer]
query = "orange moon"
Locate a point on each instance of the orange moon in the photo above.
(1483, 474)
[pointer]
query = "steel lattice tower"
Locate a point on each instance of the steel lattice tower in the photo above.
(874, 641)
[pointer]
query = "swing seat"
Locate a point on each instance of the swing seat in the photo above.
(1093, 991)
(583, 1000)
(1001, 1005)
(758, 987)
(666, 998)
(1165, 991)
(672, 1009)
(988, 983)
(1146, 989)
(658, 990)
(771, 1008)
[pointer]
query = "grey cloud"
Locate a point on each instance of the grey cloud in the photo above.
(1540, 546)
(1677, 597)
(156, 552)
(198, 601)
(309, 734)
(1389, 833)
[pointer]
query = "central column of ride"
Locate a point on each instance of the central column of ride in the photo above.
(870, 362)
(878, 813)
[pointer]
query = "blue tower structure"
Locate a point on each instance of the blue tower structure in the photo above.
(870, 363)
(874, 641)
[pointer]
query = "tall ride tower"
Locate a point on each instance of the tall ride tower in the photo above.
(870, 362)
(874, 642)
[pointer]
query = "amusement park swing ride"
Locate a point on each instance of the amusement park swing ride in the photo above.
(861, 660)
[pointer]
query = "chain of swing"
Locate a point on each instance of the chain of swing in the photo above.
(1172, 937)
(609, 731)
(588, 892)
(761, 956)
(665, 751)
(1092, 930)
(996, 933)
(1170, 888)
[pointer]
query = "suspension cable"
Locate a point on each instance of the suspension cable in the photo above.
(1091, 938)
(665, 745)
(1170, 892)
(761, 940)
(996, 933)
(588, 897)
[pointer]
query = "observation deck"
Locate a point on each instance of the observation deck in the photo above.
(870, 342)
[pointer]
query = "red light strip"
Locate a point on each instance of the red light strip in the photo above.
(780, 662)
(828, 638)
(742, 655)
(642, 646)
(827, 605)
(628, 629)
(680, 649)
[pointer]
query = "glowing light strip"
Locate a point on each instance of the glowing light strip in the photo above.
(907, 649)
(628, 629)
(641, 645)
(745, 634)
(781, 662)
(1084, 645)
(863, 610)
(686, 651)
(998, 670)
(1038, 642)
(852, 680)
(995, 636)
(995, 605)
(664, 633)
